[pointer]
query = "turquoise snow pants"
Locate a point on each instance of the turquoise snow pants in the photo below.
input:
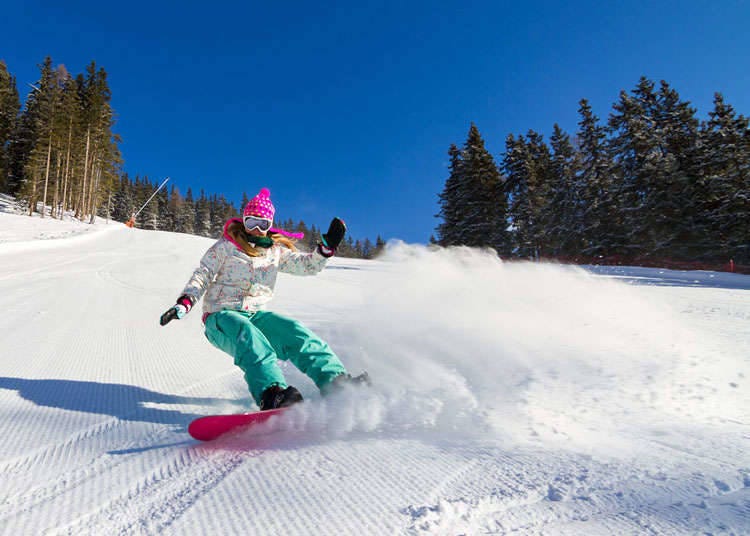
(257, 340)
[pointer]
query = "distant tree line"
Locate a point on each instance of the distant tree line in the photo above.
(206, 215)
(653, 182)
(60, 151)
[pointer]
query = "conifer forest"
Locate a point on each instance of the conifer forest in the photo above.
(652, 182)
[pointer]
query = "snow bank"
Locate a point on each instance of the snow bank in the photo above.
(22, 232)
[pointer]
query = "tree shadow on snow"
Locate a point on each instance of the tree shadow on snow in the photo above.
(126, 402)
(662, 277)
(343, 268)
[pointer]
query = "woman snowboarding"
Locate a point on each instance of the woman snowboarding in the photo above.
(236, 278)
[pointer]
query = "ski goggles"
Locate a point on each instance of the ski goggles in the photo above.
(253, 222)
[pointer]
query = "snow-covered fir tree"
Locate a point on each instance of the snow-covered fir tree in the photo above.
(526, 166)
(595, 180)
(202, 226)
(185, 217)
(724, 189)
(472, 203)
(565, 208)
(451, 199)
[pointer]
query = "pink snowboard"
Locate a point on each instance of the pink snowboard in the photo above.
(212, 426)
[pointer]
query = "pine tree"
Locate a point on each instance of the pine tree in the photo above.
(358, 252)
(565, 209)
(653, 145)
(39, 113)
(123, 204)
(150, 216)
(634, 150)
(221, 211)
(515, 171)
(169, 209)
(472, 203)
(527, 169)
(101, 156)
(671, 197)
(216, 211)
(595, 179)
(540, 188)
(379, 246)
(202, 225)
(484, 217)
(724, 185)
(70, 146)
(244, 202)
(10, 107)
(347, 249)
(451, 200)
(185, 215)
(23, 139)
(367, 249)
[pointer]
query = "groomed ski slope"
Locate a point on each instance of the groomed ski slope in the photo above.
(509, 397)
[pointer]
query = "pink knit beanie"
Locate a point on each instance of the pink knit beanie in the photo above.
(260, 205)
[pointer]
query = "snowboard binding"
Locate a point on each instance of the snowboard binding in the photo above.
(275, 397)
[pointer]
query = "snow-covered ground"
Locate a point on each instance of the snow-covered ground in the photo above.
(20, 231)
(509, 397)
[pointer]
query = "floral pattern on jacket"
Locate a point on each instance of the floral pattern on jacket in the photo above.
(228, 278)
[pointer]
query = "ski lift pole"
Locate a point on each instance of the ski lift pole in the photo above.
(150, 198)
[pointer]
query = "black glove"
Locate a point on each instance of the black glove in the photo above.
(178, 310)
(332, 238)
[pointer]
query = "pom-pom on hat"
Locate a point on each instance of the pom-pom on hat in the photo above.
(260, 205)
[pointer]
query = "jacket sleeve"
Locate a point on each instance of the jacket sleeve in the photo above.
(297, 263)
(204, 275)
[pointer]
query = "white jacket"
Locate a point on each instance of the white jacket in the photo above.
(232, 279)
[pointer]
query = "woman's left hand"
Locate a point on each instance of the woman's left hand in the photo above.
(332, 239)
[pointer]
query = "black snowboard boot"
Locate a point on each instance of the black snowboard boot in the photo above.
(340, 382)
(276, 397)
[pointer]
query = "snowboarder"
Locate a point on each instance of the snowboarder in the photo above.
(237, 275)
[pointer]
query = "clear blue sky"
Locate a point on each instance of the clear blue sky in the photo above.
(348, 108)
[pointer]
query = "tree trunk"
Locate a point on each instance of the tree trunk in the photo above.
(109, 204)
(32, 197)
(95, 166)
(67, 166)
(94, 190)
(82, 202)
(46, 177)
(94, 169)
(56, 196)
